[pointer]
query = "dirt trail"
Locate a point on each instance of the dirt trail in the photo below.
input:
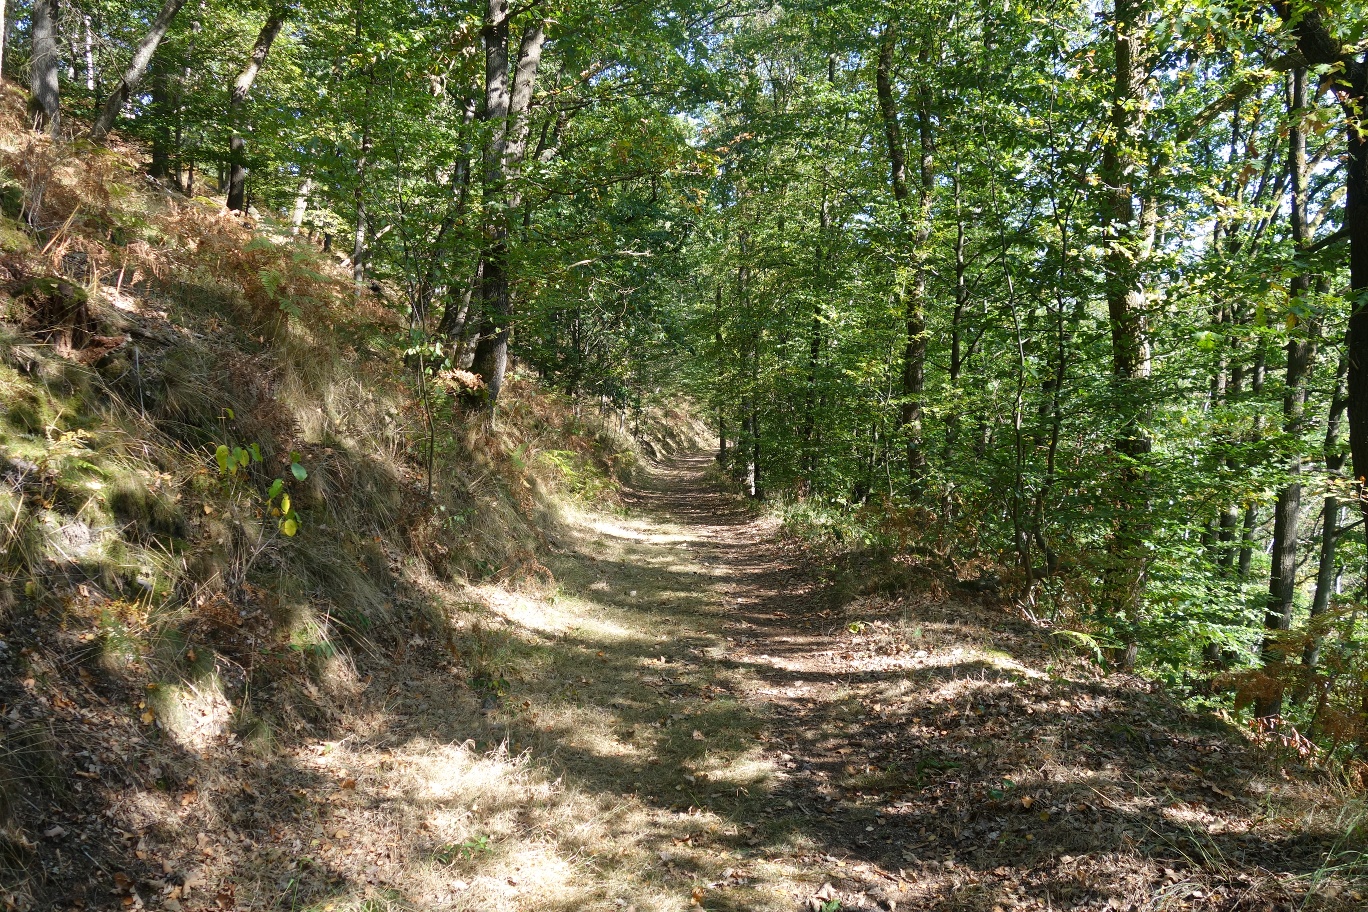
(922, 752)
(697, 716)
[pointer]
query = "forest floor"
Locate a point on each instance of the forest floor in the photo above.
(697, 714)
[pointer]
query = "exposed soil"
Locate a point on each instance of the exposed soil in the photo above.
(696, 715)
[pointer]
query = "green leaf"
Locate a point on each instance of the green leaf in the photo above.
(276, 487)
(298, 471)
(242, 457)
(256, 452)
(222, 455)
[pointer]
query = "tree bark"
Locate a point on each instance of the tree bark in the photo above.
(1251, 510)
(163, 145)
(1127, 233)
(91, 79)
(301, 206)
(506, 110)
(237, 100)
(359, 230)
(811, 447)
(142, 56)
(1325, 568)
(44, 76)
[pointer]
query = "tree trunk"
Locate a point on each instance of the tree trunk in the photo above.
(912, 301)
(360, 224)
(507, 112)
(91, 79)
(142, 56)
(1300, 353)
(491, 352)
(1251, 511)
(1127, 234)
(815, 343)
(237, 100)
(43, 70)
(957, 352)
(1325, 568)
(162, 134)
(1320, 47)
(358, 254)
(754, 462)
(301, 206)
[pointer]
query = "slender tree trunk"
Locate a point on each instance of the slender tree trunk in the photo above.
(491, 353)
(1127, 234)
(750, 429)
(1325, 567)
(128, 83)
(162, 139)
(91, 79)
(957, 353)
(913, 299)
(237, 100)
(717, 354)
(1320, 47)
(359, 230)
(301, 206)
(1300, 353)
(44, 76)
(1251, 510)
(815, 343)
(507, 112)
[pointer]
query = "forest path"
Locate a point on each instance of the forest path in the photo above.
(696, 714)
(926, 751)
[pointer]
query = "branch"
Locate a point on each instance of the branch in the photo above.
(1329, 240)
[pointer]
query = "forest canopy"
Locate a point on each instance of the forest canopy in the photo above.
(1072, 290)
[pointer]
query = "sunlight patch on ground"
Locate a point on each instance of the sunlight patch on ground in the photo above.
(566, 614)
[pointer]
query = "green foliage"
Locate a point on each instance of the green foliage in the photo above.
(233, 464)
(470, 848)
(933, 365)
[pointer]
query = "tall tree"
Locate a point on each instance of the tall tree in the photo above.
(137, 67)
(1348, 72)
(1301, 351)
(1129, 232)
(915, 231)
(237, 101)
(506, 115)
